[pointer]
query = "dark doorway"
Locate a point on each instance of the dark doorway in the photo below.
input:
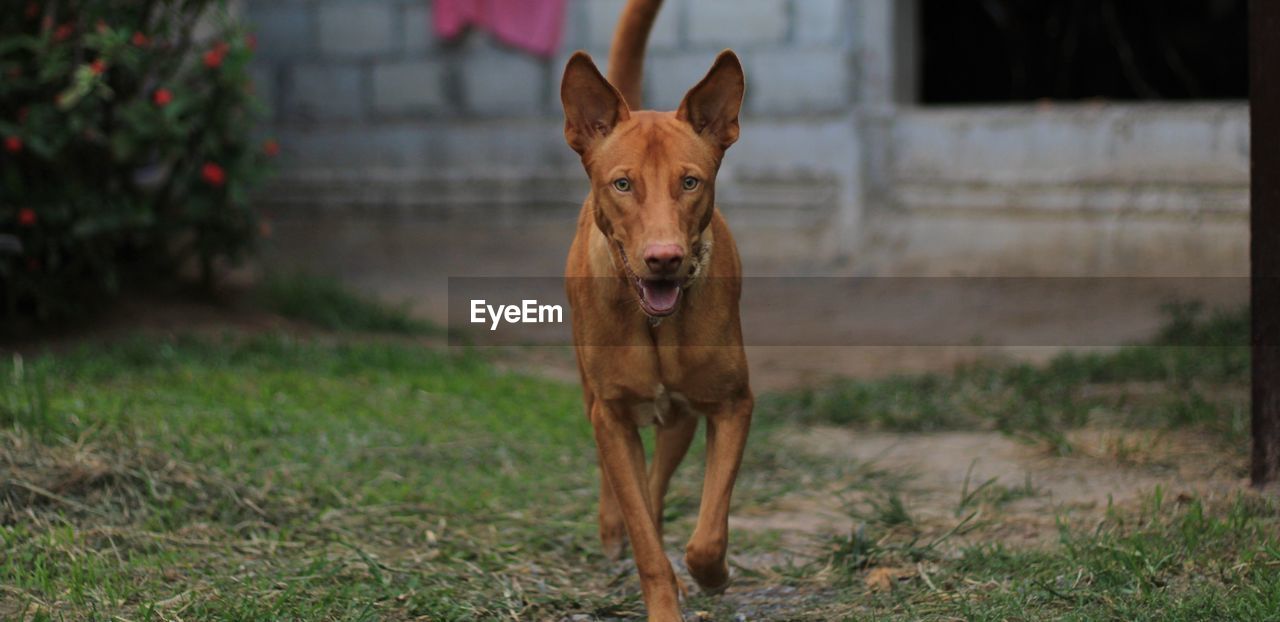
(1020, 50)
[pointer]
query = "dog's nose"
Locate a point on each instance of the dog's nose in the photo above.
(663, 259)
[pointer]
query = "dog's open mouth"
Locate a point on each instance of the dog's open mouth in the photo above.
(658, 297)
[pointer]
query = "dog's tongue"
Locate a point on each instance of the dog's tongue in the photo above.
(661, 295)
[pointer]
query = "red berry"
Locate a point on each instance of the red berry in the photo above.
(63, 32)
(271, 147)
(12, 144)
(162, 97)
(26, 217)
(98, 66)
(213, 174)
(139, 39)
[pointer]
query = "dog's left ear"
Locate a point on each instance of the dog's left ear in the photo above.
(592, 107)
(712, 106)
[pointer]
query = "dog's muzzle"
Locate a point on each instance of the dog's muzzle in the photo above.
(660, 298)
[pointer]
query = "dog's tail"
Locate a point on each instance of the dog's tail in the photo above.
(626, 57)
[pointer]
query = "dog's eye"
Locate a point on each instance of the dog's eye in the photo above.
(623, 184)
(691, 183)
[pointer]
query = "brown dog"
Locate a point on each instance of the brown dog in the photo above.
(653, 281)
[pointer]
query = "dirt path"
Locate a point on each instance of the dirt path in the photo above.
(995, 489)
(1020, 488)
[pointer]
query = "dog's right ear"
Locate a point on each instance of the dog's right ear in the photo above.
(592, 107)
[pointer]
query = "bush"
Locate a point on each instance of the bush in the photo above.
(126, 151)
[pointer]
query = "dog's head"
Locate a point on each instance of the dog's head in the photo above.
(653, 174)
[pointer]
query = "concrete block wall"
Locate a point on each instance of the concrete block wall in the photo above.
(836, 171)
(1138, 189)
(368, 104)
(797, 51)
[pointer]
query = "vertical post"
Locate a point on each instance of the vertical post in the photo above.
(1264, 226)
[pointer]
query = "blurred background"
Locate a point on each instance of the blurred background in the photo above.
(392, 144)
(880, 137)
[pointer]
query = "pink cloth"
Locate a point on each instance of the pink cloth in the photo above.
(533, 25)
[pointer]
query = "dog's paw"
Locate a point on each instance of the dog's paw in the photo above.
(707, 565)
(712, 578)
(716, 589)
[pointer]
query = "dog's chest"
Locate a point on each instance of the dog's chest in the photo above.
(659, 410)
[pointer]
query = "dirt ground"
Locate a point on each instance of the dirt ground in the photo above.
(1108, 467)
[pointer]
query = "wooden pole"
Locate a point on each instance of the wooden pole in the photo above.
(1264, 226)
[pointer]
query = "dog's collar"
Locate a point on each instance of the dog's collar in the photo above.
(701, 259)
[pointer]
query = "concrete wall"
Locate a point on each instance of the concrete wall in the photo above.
(836, 170)
(1079, 189)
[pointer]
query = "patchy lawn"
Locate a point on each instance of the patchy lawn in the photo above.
(264, 477)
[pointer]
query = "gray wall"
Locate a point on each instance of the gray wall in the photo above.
(1083, 189)
(836, 171)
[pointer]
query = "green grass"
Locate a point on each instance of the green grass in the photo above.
(279, 442)
(1184, 559)
(272, 477)
(1196, 373)
(326, 303)
(269, 477)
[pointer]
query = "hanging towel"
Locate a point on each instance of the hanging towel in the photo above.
(532, 25)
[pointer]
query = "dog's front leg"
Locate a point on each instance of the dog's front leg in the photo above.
(727, 428)
(613, 531)
(671, 443)
(622, 459)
